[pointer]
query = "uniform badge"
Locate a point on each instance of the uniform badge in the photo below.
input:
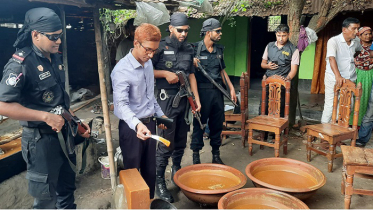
(13, 79)
(169, 64)
(44, 75)
(40, 68)
(48, 96)
(60, 67)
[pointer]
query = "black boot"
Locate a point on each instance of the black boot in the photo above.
(216, 157)
(161, 188)
(196, 159)
(174, 168)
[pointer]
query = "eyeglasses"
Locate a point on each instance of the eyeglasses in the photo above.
(52, 37)
(148, 50)
(180, 30)
(217, 31)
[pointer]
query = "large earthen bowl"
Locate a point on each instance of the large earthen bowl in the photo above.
(287, 175)
(207, 183)
(259, 198)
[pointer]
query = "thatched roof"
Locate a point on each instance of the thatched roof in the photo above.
(281, 7)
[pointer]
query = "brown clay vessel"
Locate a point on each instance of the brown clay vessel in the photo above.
(207, 183)
(259, 198)
(287, 175)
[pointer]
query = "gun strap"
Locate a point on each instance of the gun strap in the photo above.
(188, 114)
(63, 146)
(84, 155)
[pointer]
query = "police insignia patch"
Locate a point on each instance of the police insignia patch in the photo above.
(13, 79)
(48, 96)
(169, 64)
(60, 67)
(40, 68)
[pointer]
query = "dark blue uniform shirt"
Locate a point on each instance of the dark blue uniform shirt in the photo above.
(32, 80)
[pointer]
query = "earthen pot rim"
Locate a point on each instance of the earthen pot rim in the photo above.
(210, 166)
(261, 190)
(284, 189)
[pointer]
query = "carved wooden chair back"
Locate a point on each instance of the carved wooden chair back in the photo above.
(274, 97)
(346, 92)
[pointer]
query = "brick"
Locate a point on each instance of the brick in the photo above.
(136, 190)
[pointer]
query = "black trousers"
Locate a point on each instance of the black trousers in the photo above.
(177, 134)
(138, 153)
(51, 179)
(212, 108)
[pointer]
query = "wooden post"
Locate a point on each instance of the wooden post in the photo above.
(64, 48)
(105, 108)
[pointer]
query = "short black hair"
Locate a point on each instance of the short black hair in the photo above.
(348, 21)
(129, 23)
(282, 28)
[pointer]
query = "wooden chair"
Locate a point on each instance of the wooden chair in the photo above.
(271, 122)
(229, 116)
(338, 130)
(356, 162)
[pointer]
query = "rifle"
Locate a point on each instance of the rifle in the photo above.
(185, 90)
(225, 93)
(74, 123)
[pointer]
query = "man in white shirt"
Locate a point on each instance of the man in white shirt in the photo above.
(341, 50)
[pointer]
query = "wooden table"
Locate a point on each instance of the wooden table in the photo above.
(356, 162)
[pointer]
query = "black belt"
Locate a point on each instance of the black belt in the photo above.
(146, 120)
(172, 91)
(207, 86)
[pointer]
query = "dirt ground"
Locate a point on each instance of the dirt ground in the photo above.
(95, 192)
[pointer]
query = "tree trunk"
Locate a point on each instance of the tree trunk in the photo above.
(327, 13)
(295, 12)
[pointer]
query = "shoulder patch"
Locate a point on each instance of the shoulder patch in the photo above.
(20, 55)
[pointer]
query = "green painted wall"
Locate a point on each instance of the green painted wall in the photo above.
(235, 40)
(307, 62)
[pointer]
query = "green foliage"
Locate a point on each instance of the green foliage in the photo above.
(118, 17)
(244, 5)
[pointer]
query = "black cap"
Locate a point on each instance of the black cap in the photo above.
(210, 24)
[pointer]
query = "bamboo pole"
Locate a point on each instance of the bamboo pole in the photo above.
(105, 108)
(64, 48)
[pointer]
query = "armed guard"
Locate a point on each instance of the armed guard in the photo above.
(175, 54)
(32, 85)
(210, 56)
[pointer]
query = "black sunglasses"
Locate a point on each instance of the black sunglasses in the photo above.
(148, 50)
(217, 31)
(179, 30)
(52, 37)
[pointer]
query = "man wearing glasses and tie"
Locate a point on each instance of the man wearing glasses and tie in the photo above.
(32, 85)
(175, 54)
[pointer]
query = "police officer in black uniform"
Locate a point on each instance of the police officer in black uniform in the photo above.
(210, 55)
(33, 84)
(175, 54)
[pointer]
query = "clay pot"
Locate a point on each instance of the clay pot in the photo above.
(259, 198)
(207, 183)
(287, 175)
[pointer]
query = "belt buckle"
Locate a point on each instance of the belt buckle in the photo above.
(145, 120)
